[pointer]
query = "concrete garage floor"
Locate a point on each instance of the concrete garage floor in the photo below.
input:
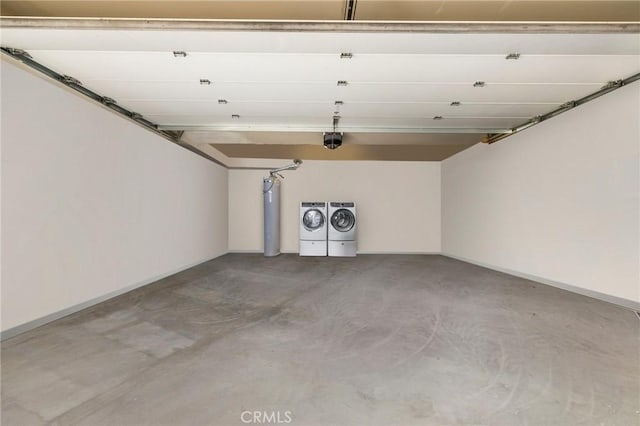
(379, 339)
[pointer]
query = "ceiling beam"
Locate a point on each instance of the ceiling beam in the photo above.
(254, 128)
(458, 27)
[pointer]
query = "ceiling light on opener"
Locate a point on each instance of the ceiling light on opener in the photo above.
(332, 140)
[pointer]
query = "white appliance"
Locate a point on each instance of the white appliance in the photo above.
(342, 229)
(313, 228)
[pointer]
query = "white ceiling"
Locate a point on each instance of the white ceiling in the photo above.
(287, 81)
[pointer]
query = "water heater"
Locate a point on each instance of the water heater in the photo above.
(271, 195)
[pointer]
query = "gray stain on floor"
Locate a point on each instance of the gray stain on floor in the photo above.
(377, 339)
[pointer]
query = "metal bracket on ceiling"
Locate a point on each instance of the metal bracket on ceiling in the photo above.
(75, 84)
(68, 80)
(18, 53)
(613, 84)
(607, 88)
(350, 10)
(108, 101)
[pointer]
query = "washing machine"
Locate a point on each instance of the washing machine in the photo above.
(313, 228)
(342, 229)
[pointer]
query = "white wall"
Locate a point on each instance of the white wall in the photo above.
(398, 203)
(558, 201)
(93, 204)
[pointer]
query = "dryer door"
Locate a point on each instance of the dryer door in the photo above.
(343, 220)
(312, 220)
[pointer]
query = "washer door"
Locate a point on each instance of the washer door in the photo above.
(312, 220)
(343, 220)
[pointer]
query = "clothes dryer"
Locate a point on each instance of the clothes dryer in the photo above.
(313, 228)
(342, 229)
